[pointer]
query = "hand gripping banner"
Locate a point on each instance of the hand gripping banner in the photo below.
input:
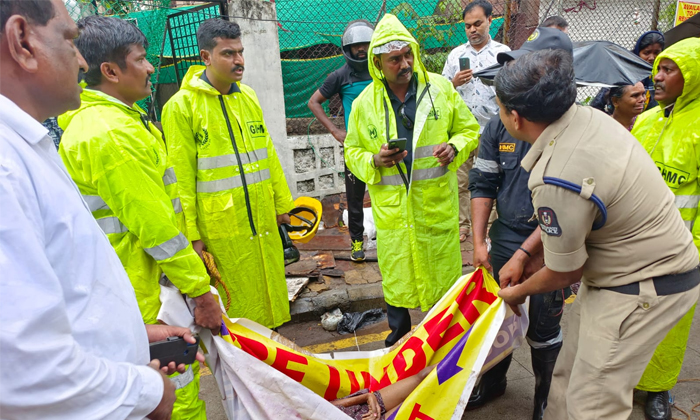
(262, 375)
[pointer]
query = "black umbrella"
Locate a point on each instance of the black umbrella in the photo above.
(596, 63)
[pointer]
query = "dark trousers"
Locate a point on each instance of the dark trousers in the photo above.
(355, 192)
(399, 323)
(545, 309)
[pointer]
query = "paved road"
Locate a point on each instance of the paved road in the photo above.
(516, 404)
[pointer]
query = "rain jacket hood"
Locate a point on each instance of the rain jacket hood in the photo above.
(193, 82)
(686, 55)
(90, 98)
(391, 29)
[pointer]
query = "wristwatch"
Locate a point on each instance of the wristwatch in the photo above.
(454, 148)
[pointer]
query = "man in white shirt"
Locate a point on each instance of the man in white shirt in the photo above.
(71, 336)
(481, 52)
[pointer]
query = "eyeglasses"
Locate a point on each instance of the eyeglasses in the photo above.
(407, 122)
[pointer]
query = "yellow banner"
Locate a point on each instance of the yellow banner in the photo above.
(685, 10)
(457, 334)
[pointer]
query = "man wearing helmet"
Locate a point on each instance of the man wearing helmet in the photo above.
(348, 82)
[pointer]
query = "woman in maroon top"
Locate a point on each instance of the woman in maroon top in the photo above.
(625, 103)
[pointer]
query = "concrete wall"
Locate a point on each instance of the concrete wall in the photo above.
(312, 176)
(305, 171)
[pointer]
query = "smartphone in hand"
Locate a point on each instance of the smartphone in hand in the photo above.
(397, 144)
(174, 349)
(464, 63)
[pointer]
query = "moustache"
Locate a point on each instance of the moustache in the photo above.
(242, 68)
(659, 86)
(405, 71)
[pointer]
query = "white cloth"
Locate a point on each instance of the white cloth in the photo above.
(480, 98)
(390, 47)
(72, 341)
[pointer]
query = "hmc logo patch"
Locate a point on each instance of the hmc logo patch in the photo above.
(548, 221)
(674, 177)
(372, 131)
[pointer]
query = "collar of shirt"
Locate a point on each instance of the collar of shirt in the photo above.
(233, 89)
(22, 123)
(411, 93)
(550, 133)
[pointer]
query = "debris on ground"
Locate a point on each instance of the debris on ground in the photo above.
(353, 321)
(295, 285)
(330, 320)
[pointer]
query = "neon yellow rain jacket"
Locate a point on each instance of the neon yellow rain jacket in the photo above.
(213, 139)
(673, 141)
(417, 232)
(119, 161)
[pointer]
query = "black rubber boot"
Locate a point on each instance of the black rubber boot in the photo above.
(491, 385)
(543, 361)
(658, 406)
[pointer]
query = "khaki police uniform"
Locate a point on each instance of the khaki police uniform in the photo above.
(622, 227)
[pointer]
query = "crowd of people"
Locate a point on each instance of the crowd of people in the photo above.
(102, 207)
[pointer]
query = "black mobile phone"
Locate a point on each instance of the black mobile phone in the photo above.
(464, 63)
(397, 144)
(174, 349)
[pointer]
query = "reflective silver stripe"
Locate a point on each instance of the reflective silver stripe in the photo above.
(540, 345)
(230, 160)
(184, 379)
(169, 248)
(95, 202)
(391, 180)
(687, 201)
(428, 173)
(689, 224)
(488, 166)
(232, 182)
(423, 152)
(177, 206)
(169, 177)
(111, 225)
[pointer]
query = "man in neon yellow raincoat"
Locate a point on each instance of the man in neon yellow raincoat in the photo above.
(119, 162)
(414, 192)
(670, 133)
(232, 187)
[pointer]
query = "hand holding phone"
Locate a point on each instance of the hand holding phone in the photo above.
(464, 75)
(389, 157)
(397, 144)
(174, 349)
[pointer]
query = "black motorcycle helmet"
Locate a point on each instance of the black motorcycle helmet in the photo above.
(357, 32)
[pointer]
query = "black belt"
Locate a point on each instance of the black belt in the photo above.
(664, 285)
